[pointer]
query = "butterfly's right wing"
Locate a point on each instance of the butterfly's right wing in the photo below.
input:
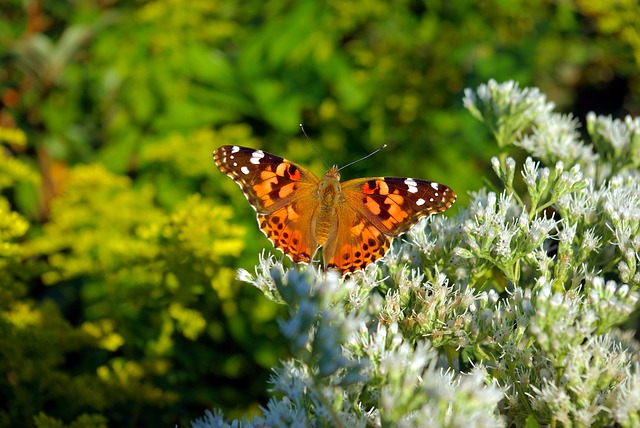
(394, 204)
(354, 242)
(281, 192)
(376, 210)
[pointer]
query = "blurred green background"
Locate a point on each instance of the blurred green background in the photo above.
(119, 239)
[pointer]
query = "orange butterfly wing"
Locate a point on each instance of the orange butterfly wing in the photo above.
(374, 211)
(282, 194)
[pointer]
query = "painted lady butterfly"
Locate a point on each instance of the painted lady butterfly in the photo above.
(353, 221)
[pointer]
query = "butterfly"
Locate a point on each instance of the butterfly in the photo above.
(354, 222)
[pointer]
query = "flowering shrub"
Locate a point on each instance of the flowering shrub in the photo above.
(144, 278)
(510, 312)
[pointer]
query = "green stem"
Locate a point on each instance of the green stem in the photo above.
(502, 157)
(334, 416)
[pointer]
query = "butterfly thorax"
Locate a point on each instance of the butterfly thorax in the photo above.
(330, 195)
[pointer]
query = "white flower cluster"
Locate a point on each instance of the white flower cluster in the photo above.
(352, 369)
(506, 109)
(511, 313)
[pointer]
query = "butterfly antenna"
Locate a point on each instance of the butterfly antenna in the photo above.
(314, 146)
(363, 158)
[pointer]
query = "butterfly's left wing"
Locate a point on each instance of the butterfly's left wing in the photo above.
(269, 182)
(282, 194)
(376, 210)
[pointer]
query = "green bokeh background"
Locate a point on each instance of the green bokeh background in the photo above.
(118, 305)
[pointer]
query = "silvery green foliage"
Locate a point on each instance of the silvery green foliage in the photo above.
(353, 366)
(508, 313)
(562, 239)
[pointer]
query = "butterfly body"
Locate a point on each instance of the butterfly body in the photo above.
(353, 221)
(329, 194)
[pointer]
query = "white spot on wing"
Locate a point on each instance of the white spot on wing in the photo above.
(435, 186)
(235, 149)
(245, 170)
(256, 156)
(412, 186)
(235, 164)
(420, 202)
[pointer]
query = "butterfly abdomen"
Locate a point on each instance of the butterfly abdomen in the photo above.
(330, 194)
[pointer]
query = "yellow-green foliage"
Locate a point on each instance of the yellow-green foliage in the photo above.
(82, 421)
(35, 342)
(619, 19)
(93, 225)
(13, 225)
(146, 279)
(191, 155)
(35, 339)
